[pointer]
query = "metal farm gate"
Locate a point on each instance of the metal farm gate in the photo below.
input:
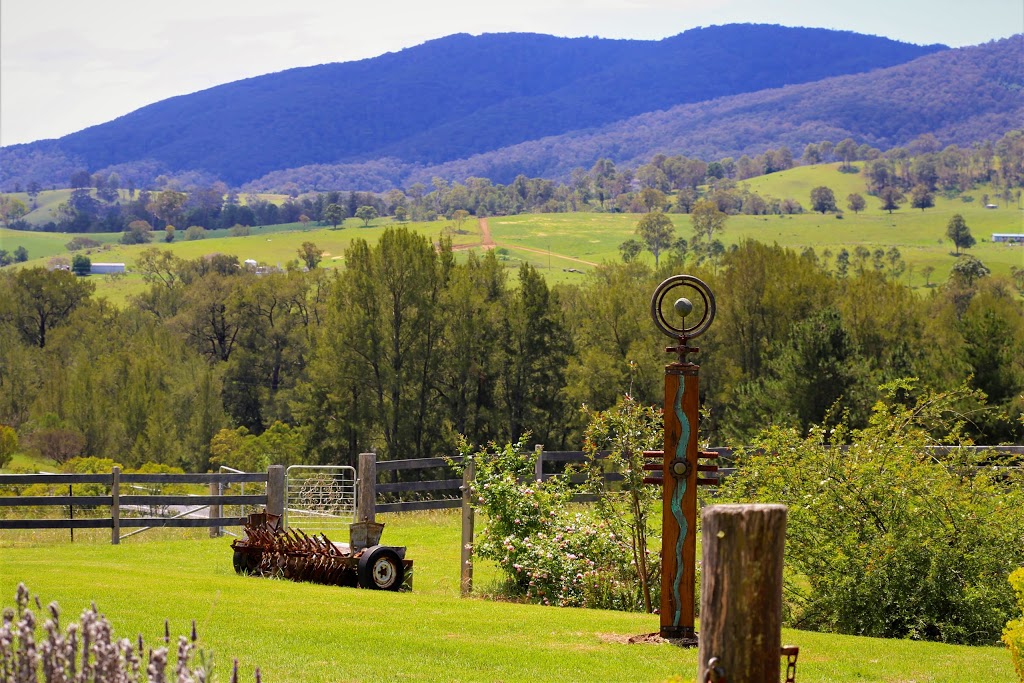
(320, 497)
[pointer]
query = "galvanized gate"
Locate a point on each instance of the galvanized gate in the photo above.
(320, 496)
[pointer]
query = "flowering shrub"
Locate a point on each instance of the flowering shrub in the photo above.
(624, 433)
(553, 551)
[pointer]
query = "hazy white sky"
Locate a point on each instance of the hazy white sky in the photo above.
(69, 64)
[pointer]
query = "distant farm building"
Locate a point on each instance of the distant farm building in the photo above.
(254, 266)
(1013, 237)
(107, 268)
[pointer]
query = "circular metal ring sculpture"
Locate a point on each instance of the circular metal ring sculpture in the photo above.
(683, 306)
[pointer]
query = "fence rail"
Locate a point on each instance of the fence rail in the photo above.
(547, 464)
(273, 499)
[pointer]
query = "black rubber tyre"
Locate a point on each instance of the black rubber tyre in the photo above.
(380, 568)
(245, 563)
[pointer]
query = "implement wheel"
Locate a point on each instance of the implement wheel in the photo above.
(380, 568)
(245, 563)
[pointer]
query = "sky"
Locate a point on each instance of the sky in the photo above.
(69, 64)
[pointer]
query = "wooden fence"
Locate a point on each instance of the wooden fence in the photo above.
(446, 492)
(273, 499)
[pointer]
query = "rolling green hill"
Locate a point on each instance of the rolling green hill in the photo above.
(566, 245)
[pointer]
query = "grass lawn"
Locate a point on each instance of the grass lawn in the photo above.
(305, 632)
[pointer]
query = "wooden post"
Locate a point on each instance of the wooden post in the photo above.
(538, 466)
(115, 506)
(71, 510)
(741, 592)
(215, 509)
(468, 475)
(366, 498)
(275, 490)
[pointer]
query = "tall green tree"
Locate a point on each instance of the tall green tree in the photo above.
(959, 234)
(81, 265)
(656, 231)
(366, 214)
(43, 299)
(891, 198)
(334, 214)
(855, 202)
(379, 353)
(310, 254)
(535, 349)
(921, 197)
(823, 199)
(470, 350)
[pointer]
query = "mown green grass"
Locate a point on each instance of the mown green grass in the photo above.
(304, 632)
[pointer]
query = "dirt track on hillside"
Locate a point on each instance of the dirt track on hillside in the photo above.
(487, 242)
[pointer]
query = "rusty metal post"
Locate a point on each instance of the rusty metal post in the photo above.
(366, 498)
(680, 460)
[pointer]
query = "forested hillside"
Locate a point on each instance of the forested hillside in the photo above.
(959, 96)
(447, 99)
(408, 347)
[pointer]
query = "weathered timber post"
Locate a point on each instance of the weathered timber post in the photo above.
(679, 460)
(366, 497)
(538, 463)
(216, 509)
(115, 506)
(468, 476)
(71, 510)
(741, 592)
(275, 490)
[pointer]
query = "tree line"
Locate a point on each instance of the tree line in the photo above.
(406, 349)
(107, 203)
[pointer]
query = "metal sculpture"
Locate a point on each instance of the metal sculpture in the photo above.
(679, 461)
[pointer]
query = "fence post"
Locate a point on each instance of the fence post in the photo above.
(275, 490)
(115, 506)
(215, 509)
(468, 476)
(741, 592)
(366, 496)
(538, 467)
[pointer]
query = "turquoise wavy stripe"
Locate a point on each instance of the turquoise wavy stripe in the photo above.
(677, 501)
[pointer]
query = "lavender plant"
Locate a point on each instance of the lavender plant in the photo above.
(87, 651)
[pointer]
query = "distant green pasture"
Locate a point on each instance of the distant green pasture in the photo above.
(919, 235)
(558, 243)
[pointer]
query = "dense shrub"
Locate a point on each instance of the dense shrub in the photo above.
(623, 433)
(553, 553)
(8, 444)
(1013, 634)
(886, 538)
